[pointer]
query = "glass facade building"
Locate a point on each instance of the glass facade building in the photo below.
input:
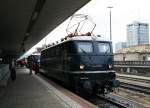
(137, 34)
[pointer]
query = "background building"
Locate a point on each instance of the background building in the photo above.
(133, 53)
(137, 34)
(120, 45)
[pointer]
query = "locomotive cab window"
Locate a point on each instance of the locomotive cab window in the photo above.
(104, 48)
(84, 47)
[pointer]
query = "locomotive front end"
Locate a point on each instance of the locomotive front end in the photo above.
(92, 67)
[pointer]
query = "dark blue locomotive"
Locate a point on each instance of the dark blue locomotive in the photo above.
(82, 63)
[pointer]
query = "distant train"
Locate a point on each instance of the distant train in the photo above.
(34, 58)
(82, 63)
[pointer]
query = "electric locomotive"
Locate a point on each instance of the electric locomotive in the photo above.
(81, 61)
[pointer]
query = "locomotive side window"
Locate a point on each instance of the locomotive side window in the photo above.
(104, 48)
(84, 47)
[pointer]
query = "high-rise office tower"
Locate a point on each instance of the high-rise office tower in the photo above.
(137, 34)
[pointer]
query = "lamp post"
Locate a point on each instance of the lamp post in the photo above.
(110, 7)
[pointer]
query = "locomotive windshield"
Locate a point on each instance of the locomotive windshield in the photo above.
(88, 47)
(104, 48)
(85, 47)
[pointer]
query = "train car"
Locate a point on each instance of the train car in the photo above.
(21, 62)
(82, 63)
(34, 58)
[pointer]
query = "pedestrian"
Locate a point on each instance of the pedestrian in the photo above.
(30, 64)
(36, 67)
(12, 69)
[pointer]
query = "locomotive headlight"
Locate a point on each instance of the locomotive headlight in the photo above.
(81, 66)
(110, 66)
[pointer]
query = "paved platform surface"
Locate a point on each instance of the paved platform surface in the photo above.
(30, 91)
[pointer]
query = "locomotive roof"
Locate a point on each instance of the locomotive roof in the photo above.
(79, 38)
(86, 38)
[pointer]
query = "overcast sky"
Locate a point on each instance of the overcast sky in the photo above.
(123, 13)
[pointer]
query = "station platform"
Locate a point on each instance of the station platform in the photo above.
(32, 91)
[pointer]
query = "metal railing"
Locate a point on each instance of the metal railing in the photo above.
(132, 63)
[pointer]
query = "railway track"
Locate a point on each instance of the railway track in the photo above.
(106, 102)
(135, 83)
(136, 88)
(115, 101)
(134, 78)
(125, 102)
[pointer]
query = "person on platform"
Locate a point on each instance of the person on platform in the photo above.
(30, 64)
(12, 69)
(36, 67)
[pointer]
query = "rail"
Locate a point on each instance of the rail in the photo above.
(134, 78)
(113, 101)
(136, 88)
(135, 83)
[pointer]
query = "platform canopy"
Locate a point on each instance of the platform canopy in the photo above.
(23, 23)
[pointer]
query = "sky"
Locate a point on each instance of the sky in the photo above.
(123, 12)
